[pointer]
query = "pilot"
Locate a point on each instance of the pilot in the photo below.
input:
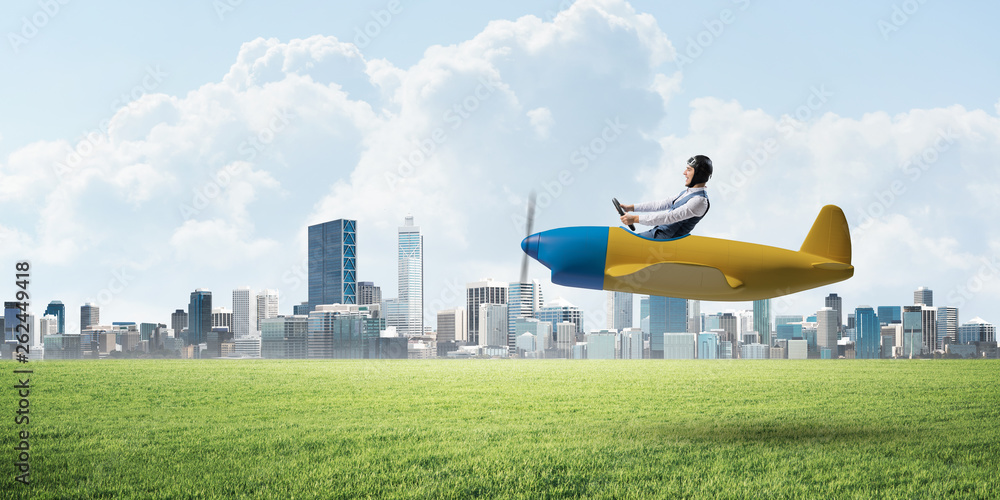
(675, 217)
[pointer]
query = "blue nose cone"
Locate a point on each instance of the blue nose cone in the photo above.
(576, 255)
(530, 246)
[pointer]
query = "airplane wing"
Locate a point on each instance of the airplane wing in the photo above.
(674, 276)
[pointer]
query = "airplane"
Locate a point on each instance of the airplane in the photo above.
(694, 267)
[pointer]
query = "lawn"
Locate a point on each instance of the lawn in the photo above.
(507, 428)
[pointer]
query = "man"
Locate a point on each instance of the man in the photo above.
(676, 217)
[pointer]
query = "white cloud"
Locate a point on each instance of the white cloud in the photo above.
(667, 86)
(541, 119)
(28, 172)
(915, 188)
(15, 244)
(215, 188)
(217, 244)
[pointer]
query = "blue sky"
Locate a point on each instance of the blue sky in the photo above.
(892, 84)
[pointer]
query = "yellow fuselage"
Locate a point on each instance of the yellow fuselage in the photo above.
(700, 268)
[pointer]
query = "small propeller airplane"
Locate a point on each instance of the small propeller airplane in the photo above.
(694, 267)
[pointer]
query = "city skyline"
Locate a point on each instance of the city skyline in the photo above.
(266, 303)
(911, 331)
(167, 171)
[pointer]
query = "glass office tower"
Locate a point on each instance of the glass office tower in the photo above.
(333, 263)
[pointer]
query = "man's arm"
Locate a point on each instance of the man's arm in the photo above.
(695, 207)
(649, 206)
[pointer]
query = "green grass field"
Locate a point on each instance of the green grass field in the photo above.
(503, 428)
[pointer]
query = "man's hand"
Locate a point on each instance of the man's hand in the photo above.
(628, 208)
(629, 218)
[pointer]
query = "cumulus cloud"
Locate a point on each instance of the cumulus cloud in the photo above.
(915, 187)
(215, 188)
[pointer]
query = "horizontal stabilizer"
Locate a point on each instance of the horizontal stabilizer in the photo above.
(832, 266)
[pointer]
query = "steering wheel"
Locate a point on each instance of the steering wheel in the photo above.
(618, 206)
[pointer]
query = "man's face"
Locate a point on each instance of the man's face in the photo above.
(688, 174)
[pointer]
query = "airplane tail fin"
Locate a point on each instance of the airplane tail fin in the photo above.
(830, 236)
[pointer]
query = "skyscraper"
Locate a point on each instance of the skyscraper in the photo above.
(892, 337)
(452, 326)
(666, 315)
(632, 345)
(199, 317)
(947, 325)
(837, 304)
(727, 323)
(619, 311)
(368, 293)
(63, 347)
(343, 331)
(565, 338)
(888, 315)
(146, 330)
(826, 334)
(57, 309)
(559, 310)
(601, 345)
(395, 314)
(523, 300)
(492, 325)
(242, 305)
(923, 296)
(762, 320)
(694, 321)
(222, 317)
(526, 345)
(977, 330)
(10, 312)
(267, 307)
(333, 263)
(90, 315)
(178, 322)
(644, 313)
(744, 324)
(48, 325)
(541, 331)
(482, 292)
(787, 319)
(788, 331)
(929, 328)
(869, 333)
(708, 346)
(912, 331)
(680, 345)
(284, 337)
(411, 277)
(712, 322)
